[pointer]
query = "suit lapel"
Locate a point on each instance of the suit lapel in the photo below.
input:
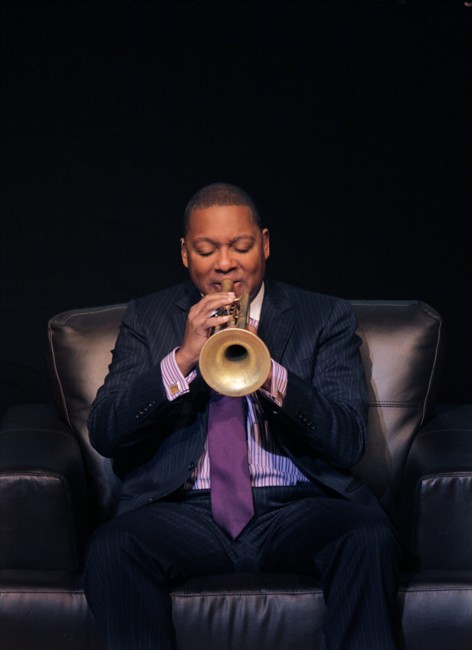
(277, 319)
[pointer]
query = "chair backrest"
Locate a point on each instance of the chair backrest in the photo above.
(402, 343)
(80, 346)
(403, 352)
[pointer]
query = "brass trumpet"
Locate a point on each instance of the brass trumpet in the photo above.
(234, 361)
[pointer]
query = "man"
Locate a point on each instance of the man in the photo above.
(303, 430)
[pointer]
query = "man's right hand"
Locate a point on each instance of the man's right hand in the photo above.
(200, 324)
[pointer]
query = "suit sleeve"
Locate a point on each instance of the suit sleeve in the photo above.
(325, 407)
(133, 395)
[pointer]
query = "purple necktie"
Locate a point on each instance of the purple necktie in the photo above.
(231, 494)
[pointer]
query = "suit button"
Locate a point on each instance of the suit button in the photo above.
(191, 467)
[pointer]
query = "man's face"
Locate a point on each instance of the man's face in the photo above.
(224, 242)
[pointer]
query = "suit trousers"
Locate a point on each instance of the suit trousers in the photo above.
(133, 559)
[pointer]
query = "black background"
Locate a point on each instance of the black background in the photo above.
(349, 123)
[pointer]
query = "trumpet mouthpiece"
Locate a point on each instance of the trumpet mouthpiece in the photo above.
(227, 285)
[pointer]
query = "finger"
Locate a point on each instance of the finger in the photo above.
(214, 321)
(216, 300)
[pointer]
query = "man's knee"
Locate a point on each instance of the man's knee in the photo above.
(105, 550)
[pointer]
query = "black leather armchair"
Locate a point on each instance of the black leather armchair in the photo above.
(55, 489)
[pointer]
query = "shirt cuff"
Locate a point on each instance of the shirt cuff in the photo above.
(278, 387)
(175, 383)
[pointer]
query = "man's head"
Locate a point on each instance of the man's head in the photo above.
(219, 194)
(223, 238)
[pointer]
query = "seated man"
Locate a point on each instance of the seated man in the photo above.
(286, 500)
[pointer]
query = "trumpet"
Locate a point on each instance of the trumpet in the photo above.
(234, 361)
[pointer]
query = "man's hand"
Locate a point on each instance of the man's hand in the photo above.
(200, 323)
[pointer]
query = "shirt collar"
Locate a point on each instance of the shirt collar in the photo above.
(256, 305)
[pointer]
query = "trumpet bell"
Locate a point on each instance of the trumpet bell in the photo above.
(234, 362)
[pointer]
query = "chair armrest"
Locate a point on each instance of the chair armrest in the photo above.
(437, 494)
(43, 504)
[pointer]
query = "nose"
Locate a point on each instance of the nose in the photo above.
(224, 260)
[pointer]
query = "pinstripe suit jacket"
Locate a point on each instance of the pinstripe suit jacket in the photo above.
(156, 444)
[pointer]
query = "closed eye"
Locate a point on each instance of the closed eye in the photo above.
(243, 244)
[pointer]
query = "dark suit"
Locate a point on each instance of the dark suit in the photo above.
(156, 444)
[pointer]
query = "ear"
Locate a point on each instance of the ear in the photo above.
(266, 243)
(184, 252)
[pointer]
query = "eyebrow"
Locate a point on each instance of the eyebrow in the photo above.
(232, 241)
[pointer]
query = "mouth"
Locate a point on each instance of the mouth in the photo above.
(237, 284)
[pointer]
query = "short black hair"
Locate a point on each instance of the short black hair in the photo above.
(220, 194)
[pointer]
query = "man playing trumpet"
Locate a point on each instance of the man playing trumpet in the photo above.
(215, 483)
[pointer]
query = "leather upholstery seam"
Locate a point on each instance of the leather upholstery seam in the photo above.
(393, 404)
(453, 473)
(82, 312)
(238, 594)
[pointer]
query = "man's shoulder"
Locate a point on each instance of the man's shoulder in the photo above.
(162, 300)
